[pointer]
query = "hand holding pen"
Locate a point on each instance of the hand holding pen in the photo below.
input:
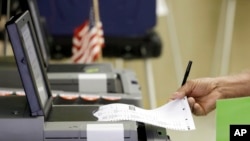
(201, 93)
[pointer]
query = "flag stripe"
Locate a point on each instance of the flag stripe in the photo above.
(87, 42)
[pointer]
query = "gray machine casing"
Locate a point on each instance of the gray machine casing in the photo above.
(118, 83)
(17, 125)
(121, 84)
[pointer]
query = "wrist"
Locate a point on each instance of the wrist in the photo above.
(234, 86)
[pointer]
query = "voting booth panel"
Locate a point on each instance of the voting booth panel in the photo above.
(119, 17)
(128, 26)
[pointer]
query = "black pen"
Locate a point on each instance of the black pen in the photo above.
(186, 73)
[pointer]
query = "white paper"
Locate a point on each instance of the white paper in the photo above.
(105, 132)
(175, 115)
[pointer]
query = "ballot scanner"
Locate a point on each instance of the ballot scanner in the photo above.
(99, 80)
(70, 124)
(100, 87)
(34, 117)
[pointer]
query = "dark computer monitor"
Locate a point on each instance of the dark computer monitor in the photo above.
(30, 66)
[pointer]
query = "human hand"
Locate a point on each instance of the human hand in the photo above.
(202, 94)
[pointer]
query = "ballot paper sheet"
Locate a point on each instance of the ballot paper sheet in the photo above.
(175, 115)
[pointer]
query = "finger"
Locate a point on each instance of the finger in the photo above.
(198, 110)
(191, 102)
(183, 91)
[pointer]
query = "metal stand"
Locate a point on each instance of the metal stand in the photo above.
(224, 38)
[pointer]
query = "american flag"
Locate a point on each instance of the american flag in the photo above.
(88, 41)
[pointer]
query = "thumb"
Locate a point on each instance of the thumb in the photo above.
(183, 91)
(178, 95)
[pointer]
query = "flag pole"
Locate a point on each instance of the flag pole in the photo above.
(96, 10)
(97, 20)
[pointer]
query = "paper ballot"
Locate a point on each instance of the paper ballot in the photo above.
(175, 115)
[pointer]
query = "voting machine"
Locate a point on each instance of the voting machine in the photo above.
(33, 117)
(100, 80)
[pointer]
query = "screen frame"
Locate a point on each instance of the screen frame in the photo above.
(14, 26)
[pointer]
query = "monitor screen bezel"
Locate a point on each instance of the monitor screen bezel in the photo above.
(24, 65)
